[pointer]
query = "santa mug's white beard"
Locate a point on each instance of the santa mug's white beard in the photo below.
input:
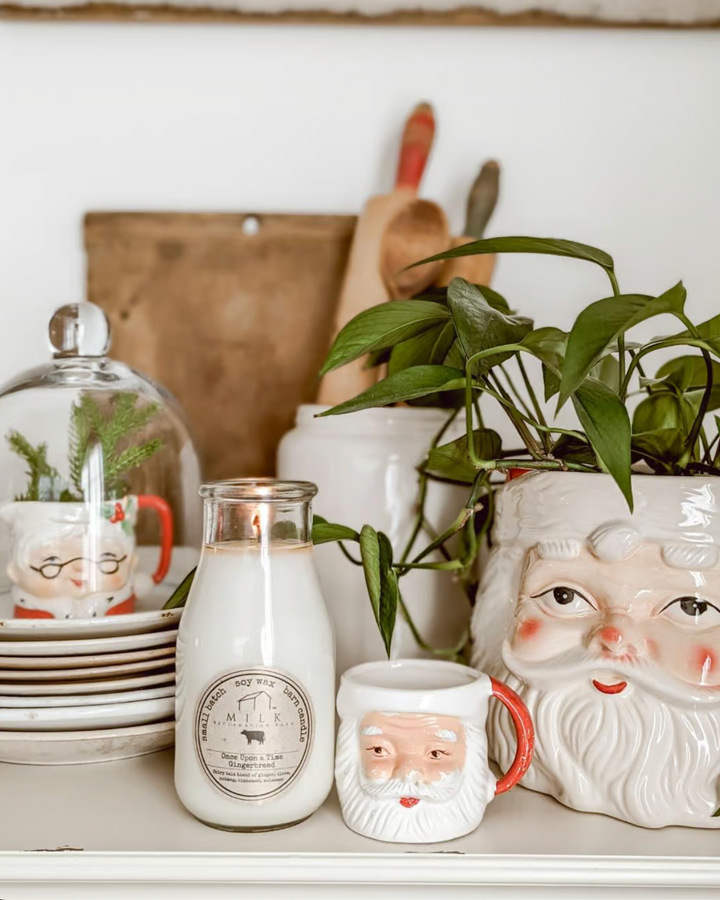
(446, 809)
(637, 755)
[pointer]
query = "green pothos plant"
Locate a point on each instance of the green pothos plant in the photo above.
(462, 346)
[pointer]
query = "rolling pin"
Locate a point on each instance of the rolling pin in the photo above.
(481, 204)
(363, 285)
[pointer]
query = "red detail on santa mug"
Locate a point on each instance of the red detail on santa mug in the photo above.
(525, 735)
(409, 802)
(118, 515)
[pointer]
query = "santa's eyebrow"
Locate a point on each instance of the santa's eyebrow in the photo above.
(371, 730)
(446, 734)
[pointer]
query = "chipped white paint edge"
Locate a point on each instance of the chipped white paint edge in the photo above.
(674, 12)
(366, 868)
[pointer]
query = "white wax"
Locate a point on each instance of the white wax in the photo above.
(253, 608)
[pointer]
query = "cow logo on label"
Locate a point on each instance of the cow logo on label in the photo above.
(254, 730)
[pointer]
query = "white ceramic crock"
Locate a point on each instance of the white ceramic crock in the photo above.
(364, 465)
(607, 624)
(411, 763)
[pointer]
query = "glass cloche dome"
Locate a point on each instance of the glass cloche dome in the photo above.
(99, 479)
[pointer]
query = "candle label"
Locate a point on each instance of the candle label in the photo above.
(253, 733)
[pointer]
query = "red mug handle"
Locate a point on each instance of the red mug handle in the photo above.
(525, 735)
(151, 501)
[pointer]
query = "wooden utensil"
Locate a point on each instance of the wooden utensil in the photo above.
(481, 204)
(363, 285)
(418, 230)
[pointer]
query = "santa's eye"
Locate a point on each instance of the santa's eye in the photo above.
(438, 754)
(693, 610)
(378, 751)
(564, 600)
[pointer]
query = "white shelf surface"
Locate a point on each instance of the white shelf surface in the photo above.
(123, 823)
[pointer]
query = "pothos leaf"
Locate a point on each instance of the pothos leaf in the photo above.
(600, 324)
(480, 326)
(543, 246)
(408, 384)
(452, 460)
(324, 532)
(381, 327)
(606, 423)
(381, 580)
(179, 596)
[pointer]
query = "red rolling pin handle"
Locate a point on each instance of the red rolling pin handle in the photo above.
(525, 735)
(415, 149)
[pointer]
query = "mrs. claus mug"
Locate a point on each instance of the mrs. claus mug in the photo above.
(411, 764)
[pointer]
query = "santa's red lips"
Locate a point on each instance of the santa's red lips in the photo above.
(610, 688)
(409, 802)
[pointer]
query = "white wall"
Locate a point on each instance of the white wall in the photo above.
(609, 137)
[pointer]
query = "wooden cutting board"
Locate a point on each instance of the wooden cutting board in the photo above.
(232, 313)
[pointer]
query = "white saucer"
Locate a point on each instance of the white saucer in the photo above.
(18, 689)
(62, 748)
(79, 662)
(44, 702)
(107, 715)
(91, 645)
(149, 617)
(87, 674)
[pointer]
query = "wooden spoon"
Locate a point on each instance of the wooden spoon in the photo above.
(418, 230)
(482, 201)
(363, 286)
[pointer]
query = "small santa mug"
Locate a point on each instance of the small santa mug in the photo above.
(76, 560)
(411, 763)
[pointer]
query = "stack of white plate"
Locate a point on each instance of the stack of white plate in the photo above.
(86, 690)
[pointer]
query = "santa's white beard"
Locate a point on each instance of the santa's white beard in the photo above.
(636, 755)
(447, 809)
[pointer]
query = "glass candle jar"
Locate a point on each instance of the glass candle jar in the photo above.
(255, 663)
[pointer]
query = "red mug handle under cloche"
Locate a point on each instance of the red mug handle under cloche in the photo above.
(162, 508)
(525, 735)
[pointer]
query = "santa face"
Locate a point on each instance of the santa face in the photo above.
(412, 778)
(71, 566)
(626, 614)
(617, 661)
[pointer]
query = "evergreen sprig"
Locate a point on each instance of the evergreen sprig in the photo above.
(93, 429)
(44, 482)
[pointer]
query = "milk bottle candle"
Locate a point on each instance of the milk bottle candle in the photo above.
(255, 664)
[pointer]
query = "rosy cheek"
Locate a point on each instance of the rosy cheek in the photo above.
(113, 582)
(377, 768)
(652, 648)
(528, 629)
(703, 662)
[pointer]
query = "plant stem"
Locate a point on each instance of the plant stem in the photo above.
(558, 464)
(663, 345)
(520, 399)
(531, 391)
(621, 338)
(432, 533)
(448, 653)
(704, 403)
(346, 553)
(518, 420)
(707, 457)
(422, 489)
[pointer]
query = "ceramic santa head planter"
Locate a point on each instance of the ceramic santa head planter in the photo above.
(607, 624)
(411, 763)
(75, 561)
